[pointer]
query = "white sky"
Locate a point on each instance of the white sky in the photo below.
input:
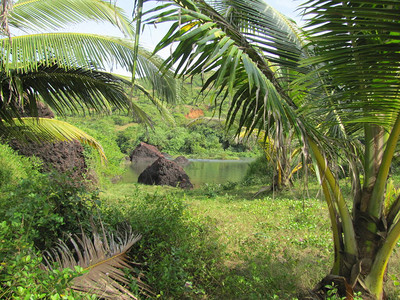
(152, 35)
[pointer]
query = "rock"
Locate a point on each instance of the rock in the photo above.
(182, 161)
(165, 172)
(43, 111)
(145, 151)
(64, 157)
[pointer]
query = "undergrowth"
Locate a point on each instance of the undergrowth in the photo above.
(216, 242)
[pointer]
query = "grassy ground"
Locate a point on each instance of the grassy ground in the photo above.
(273, 247)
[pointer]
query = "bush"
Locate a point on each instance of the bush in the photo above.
(103, 130)
(176, 246)
(49, 206)
(14, 167)
(21, 272)
(260, 171)
(128, 139)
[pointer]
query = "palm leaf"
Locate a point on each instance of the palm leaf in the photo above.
(51, 130)
(26, 53)
(244, 71)
(49, 15)
(360, 56)
(102, 259)
(64, 90)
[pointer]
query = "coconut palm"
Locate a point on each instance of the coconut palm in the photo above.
(339, 93)
(67, 70)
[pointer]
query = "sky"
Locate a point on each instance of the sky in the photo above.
(152, 35)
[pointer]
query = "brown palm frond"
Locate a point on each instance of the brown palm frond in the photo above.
(104, 261)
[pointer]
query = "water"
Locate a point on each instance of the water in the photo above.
(201, 171)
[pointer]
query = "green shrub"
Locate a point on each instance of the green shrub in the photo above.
(129, 138)
(48, 205)
(103, 130)
(121, 119)
(260, 171)
(179, 250)
(14, 167)
(21, 272)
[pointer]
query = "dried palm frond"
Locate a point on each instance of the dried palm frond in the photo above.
(104, 259)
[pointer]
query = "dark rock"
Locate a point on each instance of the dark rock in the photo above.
(64, 157)
(145, 151)
(165, 172)
(43, 111)
(182, 161)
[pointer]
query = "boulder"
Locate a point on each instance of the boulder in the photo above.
(43, 111)
(145, 152)
(165, 172)
(64, 157)
(182, 161)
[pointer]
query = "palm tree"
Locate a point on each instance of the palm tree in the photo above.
(67, 70)
(338, 91)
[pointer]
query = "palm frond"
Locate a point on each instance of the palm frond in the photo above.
(5, 7)
(276, 35)
(48, 15)
(103, 259)
(26, 53)
(357, 50)
(242, 73)
(64, 90)
(50, 130)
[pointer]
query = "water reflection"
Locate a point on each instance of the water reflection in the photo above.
(200, 171)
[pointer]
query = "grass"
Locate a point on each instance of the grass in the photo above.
(274, 247)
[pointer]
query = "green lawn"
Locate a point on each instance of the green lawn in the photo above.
(277, 246)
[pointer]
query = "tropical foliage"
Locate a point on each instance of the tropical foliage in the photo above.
(67, 70)
(337, 90)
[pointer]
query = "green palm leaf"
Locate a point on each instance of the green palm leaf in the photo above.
(51, 130)
(360, 56)
(26, 53)
(244, 72)
(62, 89)
(45, 15)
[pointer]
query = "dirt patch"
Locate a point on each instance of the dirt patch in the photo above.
(194, 113)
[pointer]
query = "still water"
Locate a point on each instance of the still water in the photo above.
(201, 171)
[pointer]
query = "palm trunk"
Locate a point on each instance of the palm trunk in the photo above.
(361, 267)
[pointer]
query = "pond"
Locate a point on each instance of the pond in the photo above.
(201, 171)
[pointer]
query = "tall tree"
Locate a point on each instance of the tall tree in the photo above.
(338, 92)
